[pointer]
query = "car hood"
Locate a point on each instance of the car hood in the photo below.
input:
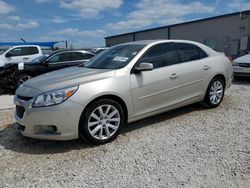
(63, 78)
(243, 59)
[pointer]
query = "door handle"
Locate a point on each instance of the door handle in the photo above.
(206, 67)
(174, 76)
(25, 58)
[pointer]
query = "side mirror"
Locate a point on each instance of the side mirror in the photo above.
(46, 63)
(8, 55)
(144, 67)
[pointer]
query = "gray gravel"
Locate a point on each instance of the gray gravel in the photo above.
(189, 147)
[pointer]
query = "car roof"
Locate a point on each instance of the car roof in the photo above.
(70, 50)
(208, 50)
(24, 45)
(146, 42)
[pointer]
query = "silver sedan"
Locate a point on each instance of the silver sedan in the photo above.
(123, 84)
(241, 66)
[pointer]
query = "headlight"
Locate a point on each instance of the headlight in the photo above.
(54, 97)
(235, 63)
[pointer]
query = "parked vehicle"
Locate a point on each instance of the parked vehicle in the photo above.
(125, 83)
(97, 50)
(241, 66)
(47, 63)
(7, 77)
(24, 53)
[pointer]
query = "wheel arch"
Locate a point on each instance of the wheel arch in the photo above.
(106, 96)
(219, 75)
(112, 97)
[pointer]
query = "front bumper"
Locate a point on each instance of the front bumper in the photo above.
(65, 117)
(241, 71)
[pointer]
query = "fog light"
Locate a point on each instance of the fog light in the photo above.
(46, 129)
(51, 128)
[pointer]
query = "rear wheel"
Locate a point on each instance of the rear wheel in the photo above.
(215, 92)
(101, 121)
(22, 78)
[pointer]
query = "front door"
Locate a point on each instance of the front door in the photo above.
(17, 55)
(58, 61)
(159, 88)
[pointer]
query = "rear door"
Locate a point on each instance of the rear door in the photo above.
(194, 70)
(30, 53)
(160, 87)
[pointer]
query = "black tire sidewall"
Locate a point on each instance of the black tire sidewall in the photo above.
(19, 77)
(83, 123)
(207, 98)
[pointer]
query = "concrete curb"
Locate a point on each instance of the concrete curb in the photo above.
(7, 111)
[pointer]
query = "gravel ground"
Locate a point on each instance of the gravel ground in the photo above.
(188, 147)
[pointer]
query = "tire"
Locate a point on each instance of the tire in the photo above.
(215, 92)
(21, 79)
(98, 129)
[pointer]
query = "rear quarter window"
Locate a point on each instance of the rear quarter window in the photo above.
(190, 52)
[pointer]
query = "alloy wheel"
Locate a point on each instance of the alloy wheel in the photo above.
(104, 122)
(216, 92)
(23, 79)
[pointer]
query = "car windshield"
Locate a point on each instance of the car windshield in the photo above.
(115, 58)
(39, 59)
(3, 50)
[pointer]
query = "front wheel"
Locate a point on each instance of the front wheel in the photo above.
(22, 78)
(101, 121)
(215, 92)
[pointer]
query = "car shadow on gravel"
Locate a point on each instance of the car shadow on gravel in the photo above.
(12, 140)
(163, 117)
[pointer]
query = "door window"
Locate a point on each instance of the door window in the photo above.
(190, 52)
(161, 55)
(31, 50)
(21, 51)
(60, 57)
(16, 52)
(81, 56)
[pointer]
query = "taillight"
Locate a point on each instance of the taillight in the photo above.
(230, 59)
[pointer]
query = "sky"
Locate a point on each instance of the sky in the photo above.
(85, 23)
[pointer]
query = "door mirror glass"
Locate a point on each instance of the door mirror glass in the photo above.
(144, 67)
